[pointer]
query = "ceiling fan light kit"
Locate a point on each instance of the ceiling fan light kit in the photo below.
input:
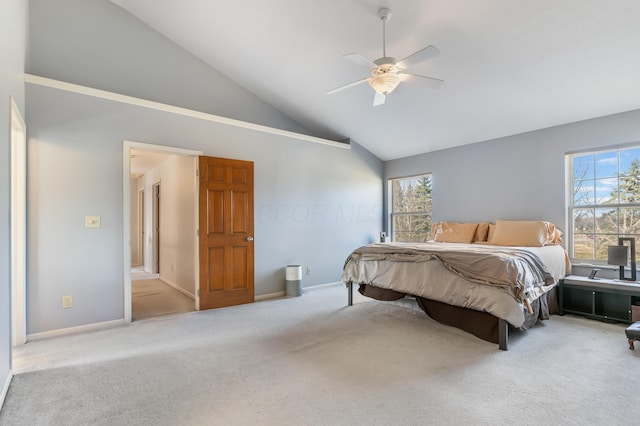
(386, 72)
(385, 83)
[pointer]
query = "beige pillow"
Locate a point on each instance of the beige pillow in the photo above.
(526, 233)
(451, 232)
(492, 230)
(554, 236)
(482, 233)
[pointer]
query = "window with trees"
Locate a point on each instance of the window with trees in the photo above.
(606, 201)
(411, 208)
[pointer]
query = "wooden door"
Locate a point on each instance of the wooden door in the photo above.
(226, 232)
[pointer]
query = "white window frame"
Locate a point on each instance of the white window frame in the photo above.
(570, 199)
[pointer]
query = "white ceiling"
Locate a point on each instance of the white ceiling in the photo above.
(510, 66)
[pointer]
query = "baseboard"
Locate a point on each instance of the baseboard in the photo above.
(5, 388)
(177, 287)
(276, 295)
(280, 294)
(321, 286)
(75, 330)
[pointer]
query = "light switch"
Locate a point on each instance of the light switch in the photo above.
(67, 302)
(92, 221)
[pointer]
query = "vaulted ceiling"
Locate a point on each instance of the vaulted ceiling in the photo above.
(509, 66)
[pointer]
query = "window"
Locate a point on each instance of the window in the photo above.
(411, 208)
(605, 203)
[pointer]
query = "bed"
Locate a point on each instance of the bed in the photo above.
(478, 286)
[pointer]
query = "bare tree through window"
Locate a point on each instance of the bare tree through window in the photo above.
(411, 208)
(605, 201)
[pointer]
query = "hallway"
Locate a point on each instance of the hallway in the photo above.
(150, 297)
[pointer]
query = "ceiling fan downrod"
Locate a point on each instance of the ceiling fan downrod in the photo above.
(385, 15)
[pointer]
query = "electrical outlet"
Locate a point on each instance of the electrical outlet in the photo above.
(308, 270)
(67, 302)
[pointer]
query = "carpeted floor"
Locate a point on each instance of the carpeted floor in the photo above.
(152, 297)
(312, 360)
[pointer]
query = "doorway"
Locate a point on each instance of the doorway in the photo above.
(162, 286)
(18, 226)
(164, 208)
(222, 258)
(157, 290)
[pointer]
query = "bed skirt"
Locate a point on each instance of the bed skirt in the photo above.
(480, 324)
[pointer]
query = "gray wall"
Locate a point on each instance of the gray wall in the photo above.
(97, 44)
(13, 37)
(519, 177)
(313, 203)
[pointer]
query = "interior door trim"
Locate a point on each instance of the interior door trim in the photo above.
(18, 226)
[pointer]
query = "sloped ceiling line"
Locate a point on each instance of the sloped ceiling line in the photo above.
(102, 94)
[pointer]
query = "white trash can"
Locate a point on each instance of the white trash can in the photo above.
(293, 277)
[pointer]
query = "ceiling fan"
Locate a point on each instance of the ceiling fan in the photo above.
(386, 72)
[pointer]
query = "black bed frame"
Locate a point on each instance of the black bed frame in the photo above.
(503, 326)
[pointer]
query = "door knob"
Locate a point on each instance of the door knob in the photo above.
(249, 239)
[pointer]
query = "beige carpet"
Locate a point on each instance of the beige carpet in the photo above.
(311, 360)
(152, 297)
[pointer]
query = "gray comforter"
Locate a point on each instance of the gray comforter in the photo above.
(516, 270)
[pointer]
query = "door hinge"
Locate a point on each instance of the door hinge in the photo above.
(197, 232)
(198, 292)
(197, 172)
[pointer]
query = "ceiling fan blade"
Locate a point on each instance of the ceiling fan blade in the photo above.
(346, 86)
(431, 82)
(379, 99)
(419, 56)
(360, 60)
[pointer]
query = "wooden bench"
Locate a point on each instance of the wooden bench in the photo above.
(633, 333)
